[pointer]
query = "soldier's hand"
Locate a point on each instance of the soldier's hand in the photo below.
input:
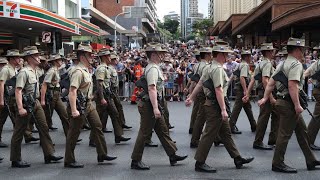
(188, 102)
(1, 104)
(23, 112)
(43, 103)
(75, 114)
(224, 115)
(157, 114)
(273, 101)
(245, 99)
(104, 102)
(185, 91)
(262, 102)
(298, 109)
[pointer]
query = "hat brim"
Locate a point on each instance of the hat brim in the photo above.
(268, 49)
(24, 55)
(20, 55)
(76, 50)
(156, 51)
(223, 51)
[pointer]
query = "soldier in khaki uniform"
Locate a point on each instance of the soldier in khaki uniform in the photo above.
(242, 82)
(314, 125)
(115, 90)
(151, 117)
(216, 112)
(289, 108)
(27, 85)
(5, 69)
(198, 110)
(81, 85)
(104, 101)
(50, 91)
(264, 70)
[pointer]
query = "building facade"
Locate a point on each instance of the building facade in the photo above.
(172, 16)
(221, 10)
(184, 16)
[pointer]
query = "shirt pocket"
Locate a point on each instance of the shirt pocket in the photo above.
(87, 78)
(32, 79)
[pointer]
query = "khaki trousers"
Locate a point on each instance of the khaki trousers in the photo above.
(215, 127)
(119, 107)
(238, 105)
(61, 110)
(19, 130)
(4, 113)
(200, 120)
(314, 125)
(289, 122)
(112, 111)
(76, 125)
(147, 123)
(194, 113)
(265, 111)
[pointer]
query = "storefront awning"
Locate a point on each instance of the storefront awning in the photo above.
(215, 30)
(87, 28)
(231, 23)
(26, 19)
(298, 15)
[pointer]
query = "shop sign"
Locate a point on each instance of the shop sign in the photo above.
(11, 10)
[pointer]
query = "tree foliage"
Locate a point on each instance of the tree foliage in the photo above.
(199, 28)
(171, 25)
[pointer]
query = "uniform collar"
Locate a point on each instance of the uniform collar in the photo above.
(82, 66)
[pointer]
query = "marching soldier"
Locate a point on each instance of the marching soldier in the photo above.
(50, 93)
(151, 116)
(198, 108)
(29, 109)
(262, 74)
(4, 111)
(104, 101)
(289, 108)
(242, 82)
(80, 101)
(313, 128)
(215, 109)
(115, 90)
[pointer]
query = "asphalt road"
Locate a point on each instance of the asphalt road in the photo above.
(260, 168)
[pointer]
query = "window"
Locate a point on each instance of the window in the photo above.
(71, 9)
(50, 5)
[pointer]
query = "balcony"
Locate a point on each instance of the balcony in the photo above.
(151, 3)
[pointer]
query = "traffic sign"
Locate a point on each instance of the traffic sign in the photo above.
(46, 37)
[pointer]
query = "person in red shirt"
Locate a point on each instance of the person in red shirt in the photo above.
(137, 71)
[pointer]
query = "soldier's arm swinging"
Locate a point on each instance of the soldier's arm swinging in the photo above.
(265, 80)
(43, 93)
(72, 101)
(100, 92)
(294, 94)
(220, 99)
(1, 93)
(244, 84)
(154, 101)
(196, 90)
(267, 92)
(18, 94)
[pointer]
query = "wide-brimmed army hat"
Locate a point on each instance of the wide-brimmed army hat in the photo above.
(104, 52)
(54, 57)
(205, 50)
(155, 47)
(84, 48)
(282, 52)
(221, 42)
(267, 47)
(296, 42)
(113, 56)
(246, 52)
(30, 50)
(316, 47)
(222, 49)
(196, 52)
(13, 53)
(73, 56)
(3, 60)
(43, 58)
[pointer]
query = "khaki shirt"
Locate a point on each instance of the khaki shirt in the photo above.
(312, 69)
(293, 69)
(81, 79)
(7, 72)
(265, 68)
(40, 71)
(28, 80)
(103, 74)
(199, 68)
(155, 77)
(219, 77)
(114, 76)
(52, 78)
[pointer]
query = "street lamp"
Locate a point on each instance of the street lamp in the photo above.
(115, 28)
